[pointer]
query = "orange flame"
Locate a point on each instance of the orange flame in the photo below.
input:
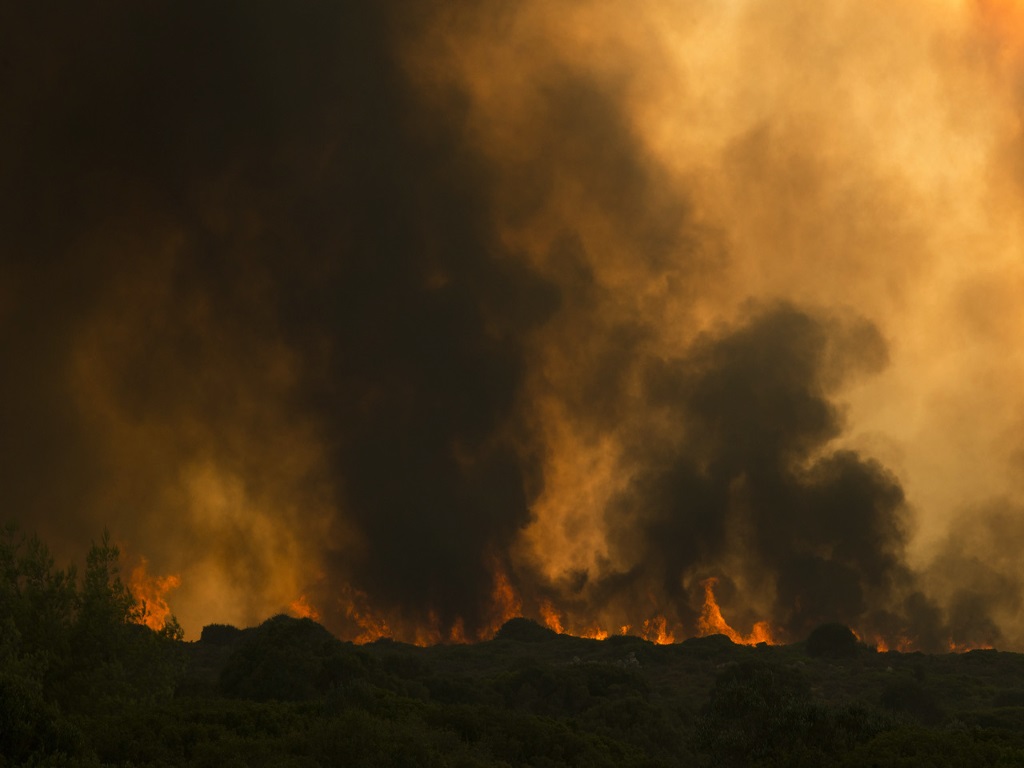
(505, 604)
(900, 643)
(303, 610)
(711, 621)
(430, 634)
(955, 647)
(656, 630)
(458, 633)
(551, 617)
(373, 626)
(151, 593)
(594, 633)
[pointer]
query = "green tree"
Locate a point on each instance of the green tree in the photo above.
(114, 657)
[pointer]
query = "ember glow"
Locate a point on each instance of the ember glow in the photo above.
(416, 322)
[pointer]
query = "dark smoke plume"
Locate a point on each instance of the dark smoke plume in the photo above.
(747, 475)
(237, 229)
(395, 305)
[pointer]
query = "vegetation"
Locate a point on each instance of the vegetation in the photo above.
(83, 683)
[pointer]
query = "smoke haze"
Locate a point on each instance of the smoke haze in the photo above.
(427, 315)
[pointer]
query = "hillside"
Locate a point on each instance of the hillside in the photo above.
(287, 692)
(84, 683)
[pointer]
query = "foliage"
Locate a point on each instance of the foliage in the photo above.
(70, 649)
(283, 659)
(524, 631)
(83, 684)
(834, 641)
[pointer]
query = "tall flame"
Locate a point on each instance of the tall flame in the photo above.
(505, 603)
(711, 621)
(552, 618)
(151, 593)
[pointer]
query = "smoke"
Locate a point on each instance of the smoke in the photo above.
(426, 314)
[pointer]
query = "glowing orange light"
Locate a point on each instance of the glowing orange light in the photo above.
(301, 609)
(505, 604)
(901, 644)
(430, 634)
(151, 593)
(458, 633)
(373, 626)
(955, 647)
(656, 630)
(551, 617)
(711, 621)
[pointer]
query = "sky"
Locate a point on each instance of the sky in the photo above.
(415, 316)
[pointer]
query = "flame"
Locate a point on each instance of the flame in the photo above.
(551, 617)
(303, 610)
(458, 633)
(430, 634)
(373, 626)
(901, 644)
(151, 593)
(505, 604)
(711, 621)
(656, 630)
(594, 633)
(955, 647)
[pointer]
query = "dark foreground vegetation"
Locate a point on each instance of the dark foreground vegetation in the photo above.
(83, 684)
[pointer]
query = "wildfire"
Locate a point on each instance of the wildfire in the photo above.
(373, 626)
(458, 633)
(594, 633)
(711, 621)
(505, 603)
(900, 644)
(656, 630)
(303, 610)
(151, 593)
(955, 647)
(551, 617)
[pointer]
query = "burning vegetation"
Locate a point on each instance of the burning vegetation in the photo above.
(151, 593)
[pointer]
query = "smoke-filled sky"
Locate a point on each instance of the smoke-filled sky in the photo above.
(420, 315)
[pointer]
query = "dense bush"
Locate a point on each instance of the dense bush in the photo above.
(83, 684)
(72, 650)
(834, 641)
(283, 659)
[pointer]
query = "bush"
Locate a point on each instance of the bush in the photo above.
(524, 631)
(282, 659)
(833, 641)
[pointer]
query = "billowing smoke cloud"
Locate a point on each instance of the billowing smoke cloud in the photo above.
(431, 314)
(749, 474)
(257, 281)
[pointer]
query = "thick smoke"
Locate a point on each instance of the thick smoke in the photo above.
(394, 306)
(259, 322)
(746, 483)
